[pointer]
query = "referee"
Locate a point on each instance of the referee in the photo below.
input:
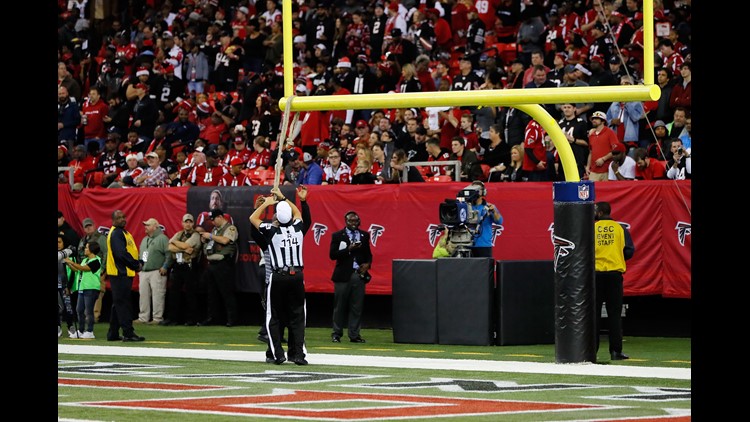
(285, 294)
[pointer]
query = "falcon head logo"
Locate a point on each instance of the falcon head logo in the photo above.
(562, 248)
(434, 232)
(683, 230)
(497, 230)
(318, 231)
(375, 232)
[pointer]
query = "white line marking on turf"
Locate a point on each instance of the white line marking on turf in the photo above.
(393, 362)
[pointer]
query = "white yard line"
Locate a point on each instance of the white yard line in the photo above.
(394, 362)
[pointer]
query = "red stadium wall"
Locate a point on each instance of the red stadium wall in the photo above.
(402, 219)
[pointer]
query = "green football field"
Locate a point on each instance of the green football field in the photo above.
(216, 373)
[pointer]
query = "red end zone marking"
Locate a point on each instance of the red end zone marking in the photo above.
(73, 382)
(423, 406)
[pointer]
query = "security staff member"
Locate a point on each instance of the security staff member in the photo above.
(185, 247)
(613, 246)
(122, 264)
(220, 247)
(350, 248)
(285, 293)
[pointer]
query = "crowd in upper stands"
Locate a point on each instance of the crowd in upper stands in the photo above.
(185, 92)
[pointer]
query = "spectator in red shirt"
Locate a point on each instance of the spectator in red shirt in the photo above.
(235, 176)
(93, 111)
(601, 139)
(535, 152)
(259, 158)
(647, 168)
(214, 129)
(208, 173)
(82, 163)
(682, 91)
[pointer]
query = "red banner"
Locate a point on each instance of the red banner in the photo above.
(402, 222)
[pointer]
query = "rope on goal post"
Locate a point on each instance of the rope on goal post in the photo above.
(284, 139)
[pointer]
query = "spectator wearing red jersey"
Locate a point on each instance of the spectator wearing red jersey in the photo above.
(126, 178)
(449, 122)
(259, 158)
(535, 152)
(235, 176)
(82, 163)
(601, 139)
(443, 31)
(338, 89)
(214, 128)
(336, 171)
(672, 59)
(208, 172)
(647, 168)
(314, 126)
(93, 111)
(468, 133)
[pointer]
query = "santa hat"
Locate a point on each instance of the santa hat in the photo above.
(142, 71)
(344, 62)
(205, 107)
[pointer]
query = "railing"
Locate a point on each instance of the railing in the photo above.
(70, 174)
(455, 163)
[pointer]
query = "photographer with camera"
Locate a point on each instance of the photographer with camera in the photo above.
(64, 282)
(350, 248)
(487, 215)
(679, 166)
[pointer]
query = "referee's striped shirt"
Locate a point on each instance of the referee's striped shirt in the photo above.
(284, 244)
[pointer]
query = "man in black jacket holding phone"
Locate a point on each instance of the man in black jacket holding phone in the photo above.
(350, 248)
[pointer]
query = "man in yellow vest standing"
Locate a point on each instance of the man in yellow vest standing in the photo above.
(613, 246)
(122, 264)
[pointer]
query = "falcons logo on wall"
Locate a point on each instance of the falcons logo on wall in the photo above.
(433, 233)
(318, 231)
(683, 230)
(497, 230)
(375, 232)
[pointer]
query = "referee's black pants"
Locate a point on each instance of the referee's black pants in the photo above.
(609, 289)
(285, 307)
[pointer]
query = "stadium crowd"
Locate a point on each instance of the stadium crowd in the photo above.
(185, 92)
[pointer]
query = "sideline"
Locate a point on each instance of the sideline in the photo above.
(394, 362)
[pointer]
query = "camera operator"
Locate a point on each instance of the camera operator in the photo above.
(64, 281)
(487, 215)
(679, 166)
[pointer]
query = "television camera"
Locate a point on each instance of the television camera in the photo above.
(461, 219)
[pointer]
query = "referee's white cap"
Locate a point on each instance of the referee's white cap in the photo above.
(283, 212)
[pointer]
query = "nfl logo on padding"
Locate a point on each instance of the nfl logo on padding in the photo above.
(583, 192)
